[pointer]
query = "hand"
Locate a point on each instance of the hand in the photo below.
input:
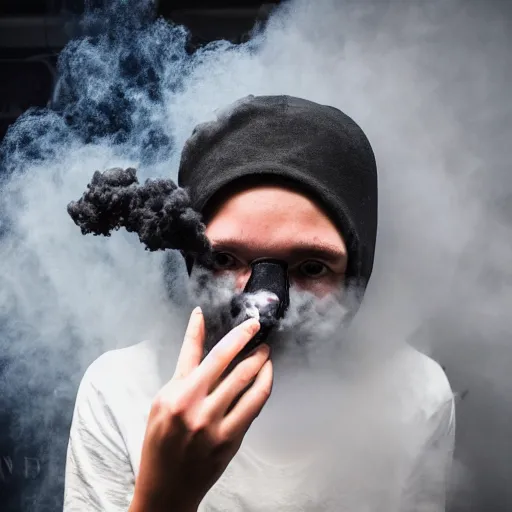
(193, 429)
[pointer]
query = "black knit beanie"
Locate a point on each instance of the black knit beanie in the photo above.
(313, 148)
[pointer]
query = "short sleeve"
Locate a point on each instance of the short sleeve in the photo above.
(99, 476)
(427, 485)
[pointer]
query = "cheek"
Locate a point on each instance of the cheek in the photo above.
(319, 287)
(241, 280)
(240, 276)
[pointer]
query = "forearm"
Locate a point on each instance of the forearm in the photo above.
(136, 506)
(145, 502)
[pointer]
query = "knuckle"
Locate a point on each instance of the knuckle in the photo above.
(197, 426)
(200, 424)
(160, 404)
(249, 329)
(265, 391)
(223, 439)
(219, 351)
(170, 407)
(244, 376)
(234, 340)
(259, 359)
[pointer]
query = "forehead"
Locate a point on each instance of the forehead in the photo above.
(270, 216)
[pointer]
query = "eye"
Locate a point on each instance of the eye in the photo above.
(313, 269)
(223, 261)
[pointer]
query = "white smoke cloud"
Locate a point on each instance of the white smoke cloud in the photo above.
(427, 81)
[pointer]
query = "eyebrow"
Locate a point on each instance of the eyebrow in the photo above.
(301, 249)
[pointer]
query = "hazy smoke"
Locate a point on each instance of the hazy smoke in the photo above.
(429, 82)
(309, 322)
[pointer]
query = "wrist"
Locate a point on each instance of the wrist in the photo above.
(142, 502)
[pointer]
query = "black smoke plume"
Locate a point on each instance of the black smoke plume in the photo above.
(158, 211)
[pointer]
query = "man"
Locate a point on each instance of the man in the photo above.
(288, 179)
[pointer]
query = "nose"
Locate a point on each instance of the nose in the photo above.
(270, 275)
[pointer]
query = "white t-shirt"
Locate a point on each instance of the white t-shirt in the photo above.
(385, 446)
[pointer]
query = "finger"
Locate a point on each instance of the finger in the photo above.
(240, 418)
(224, 352)
(193, 345)
(238, 358)
(237, 381)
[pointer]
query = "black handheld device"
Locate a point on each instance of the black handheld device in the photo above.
(269, 279)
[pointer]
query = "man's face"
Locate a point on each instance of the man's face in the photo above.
(275, 222)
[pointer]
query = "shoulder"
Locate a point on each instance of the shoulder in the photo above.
(113, 398)
(431, 375)
(122, 374)
(425, 383)
(103, 434)
(118, 363)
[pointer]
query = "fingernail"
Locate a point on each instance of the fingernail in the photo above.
(197, 311)
(264, 348)
(255, 327)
